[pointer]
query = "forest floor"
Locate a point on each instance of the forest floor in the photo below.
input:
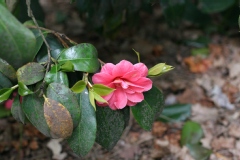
(211, 85)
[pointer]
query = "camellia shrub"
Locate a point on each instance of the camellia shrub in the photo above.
(66, 91)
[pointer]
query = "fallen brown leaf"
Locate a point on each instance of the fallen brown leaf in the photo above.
(223, 143)
(159, 129)
(197, 64)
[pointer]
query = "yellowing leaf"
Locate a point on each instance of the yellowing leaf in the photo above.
(58, 119)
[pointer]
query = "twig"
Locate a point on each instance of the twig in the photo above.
(57, 34)
(30, 14)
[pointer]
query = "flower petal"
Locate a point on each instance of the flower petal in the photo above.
(118, 99)
(132, 76)
(102, 78)
(122, 68)
(135, 97)
(141, 68)
(130, 104)
(144, 82)
(107, 68)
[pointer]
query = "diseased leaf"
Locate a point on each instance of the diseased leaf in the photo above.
(32, 106)
(67, 98)
(83, 137)
(30, 73)
(23, 89)
(146, 111)
(58, 119)
(5, 94)
(110, 125)
(79, 86)
(8, 70)
(54, 75)
(17, 111)
(17, 43)
(191, 133)
(102, 90)
(83, 56)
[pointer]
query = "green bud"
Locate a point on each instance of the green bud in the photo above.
(159, 69)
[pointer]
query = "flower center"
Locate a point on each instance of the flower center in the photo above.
(121, 83)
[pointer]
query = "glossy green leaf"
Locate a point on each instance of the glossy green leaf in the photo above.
(23, 89)
(8, 70)
(4, 81)
(198, 152)
(175, 113)
(17, 43)
(5, 94)
(56, 48)
(31, 73)
(83, 56)
(92, 99)
(214, 7)
(102, 90)
(110, 125)
(67, 98)
(58, 119)
(146, 111)
(32, 106)
(79, 86)
(4, 112)
(191, 133)
(83, 137)
(67, 67)
(17, 111)
(56, 76)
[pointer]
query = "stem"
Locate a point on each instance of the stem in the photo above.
(60, 36)
(89, 84)
(101, 62)
(14, 87)
(30, 14)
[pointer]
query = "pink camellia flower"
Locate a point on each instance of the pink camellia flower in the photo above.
(128, 80)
